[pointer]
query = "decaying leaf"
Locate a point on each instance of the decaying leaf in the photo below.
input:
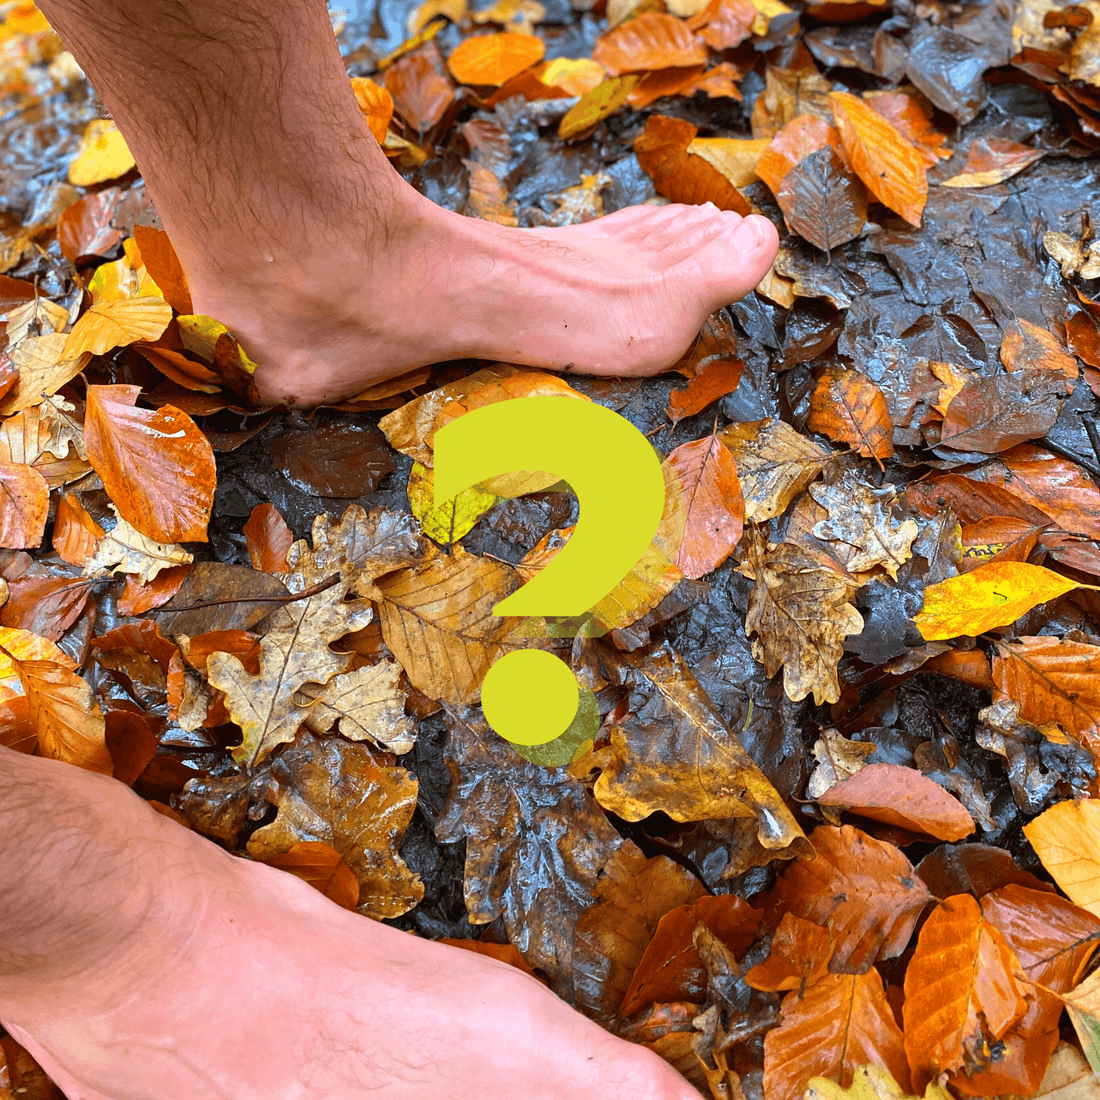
(124, 549)
(860, 515)
(369, 705)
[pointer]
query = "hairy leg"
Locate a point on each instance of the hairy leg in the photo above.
(297, 234)
(139, 961)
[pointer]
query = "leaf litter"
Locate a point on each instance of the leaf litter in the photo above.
(828, 818)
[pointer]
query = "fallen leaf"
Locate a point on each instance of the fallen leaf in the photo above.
(156, 466)
(992, 160)
(268, 539)
(1026, 346)
(595, 105)
(863, 889)
(24, 505)
(822, 201)
(164, 267)
(837, 759)
(987, 597)
(787, 94)
(652, 40)
(494, 58)
(904, 112)
(903, 797)
(350, 798)
(75, 533)
(103, 155)
(376, 103)
(736, 159)
(322, 866)
(716, 378)
(799, 611)
(664, 82)
(1000, 411)
(124, 549)
(420, 93)
(961, 991)
(869, 1083)
(712, 497)
(890, 167)
(729, 25)
(116, 323)
(488, 198)
(1066, 838)
(849, 408)
(43, 370)
(861, 515)
(798, 955)
(85, 230)
(369, 704)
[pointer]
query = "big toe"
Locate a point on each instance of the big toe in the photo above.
(731, 263)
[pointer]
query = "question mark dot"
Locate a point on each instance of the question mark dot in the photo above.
(529, 697)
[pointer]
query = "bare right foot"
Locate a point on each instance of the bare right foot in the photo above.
(247, 984)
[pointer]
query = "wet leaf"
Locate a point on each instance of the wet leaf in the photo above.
(420, 93)
(75, 533)
(43, 370)
(905, 113)
(712, 497)
(1067, 840)
(85, 229)
(156, 466)
(799, 611)
(595, 105)
(1026, 346)
(861, 515)
(24, 505)
(322, 866)
(837, 759)
(869, 1083)
(863, 889)
(961, 991)
(355, 801)
(990, 596)
(369, 705)
(124, 549)
(103, 155)
(998, 412)
(715, 379)
(849, 408)
(735, 159)
(649, 41)
(822, 201)
(494, 58)
(841, 1021)
(268, 539)
(332, 460)
(892, 170)
(488, 197)
(799, 954)
(992, 160)
(376, 103)
(903, 797)
(164, 267)
(115, 323)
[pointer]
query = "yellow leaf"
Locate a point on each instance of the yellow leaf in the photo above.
(575, 76)
(103, 155)
(368, 703)
(992, 595)
(43, 369)
(453, 519)
(116, 323)
(735, 159)
(1066, 838)
(421, 16)
(869, 1083)
(124, 549)
(594, 106)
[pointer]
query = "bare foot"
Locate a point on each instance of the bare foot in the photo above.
(247, 984)
(622, 295)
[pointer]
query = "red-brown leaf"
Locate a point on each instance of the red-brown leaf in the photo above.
(268, 539)
(650, 41)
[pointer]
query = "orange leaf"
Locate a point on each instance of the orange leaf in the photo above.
(904, 113)
(421, 94)
(1025, 346)
(323, 868)
(679, 175)
(156, 466)
(268, 539)
(181, 370)
(715, 508)
(864, 889)
(376, 103)
(45, 604)
(502, 952)
(841, 1021)
(494, 58)
(715, 378)
(164, 267)
(24, 505)
(137, 598)
(663, 82)
(730, 25)
(654, 40)
(890, 167)
(849, 408)
(1067, 839)
(794, 143)
(961, 992)
(992, 160)
(75, 533)
(904, 797)
(85, 228)
(799, 954)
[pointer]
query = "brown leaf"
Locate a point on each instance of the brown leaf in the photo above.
(45, 604)
(632, 896)
(421, 94)
(774, 464)
(890, 167)
(662, 151)
(323, 867)
(799, 955)
(715, 509)
(837, 759)
(75, 533)
(861, 515)
(357, 802)
(437, 618)
(61, 705)
(653, 40)
(849, 408)
(787, 94)
(24, 505)
(841, 1021)
(192, 702)
(961, 992)
(515, 815)
(664, 82)
(799, 611)
(138, 598)
(992, 160)
(995, 413)
(156, 466)
(337, 459)
(84, 230)
(1026, 346)
(822, 201)
(494, 58)
(674, 753)
(268, 539)
(863, 889)
(903, 797)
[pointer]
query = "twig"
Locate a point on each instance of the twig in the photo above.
(290, 597)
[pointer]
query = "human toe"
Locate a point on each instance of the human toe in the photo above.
(732, 263)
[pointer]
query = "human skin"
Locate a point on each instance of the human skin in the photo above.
(139, 961)
(297, 234)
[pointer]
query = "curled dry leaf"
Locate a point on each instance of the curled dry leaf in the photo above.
(156, 465)
(715, 508)
(962, 992)
(494, 58)
(653, 40)
(800, 612)
(353, 800)
(863, 889)
(849, 408)
(903, 797)
(987, 597)
(890, 167)
(840, 1022)
(62, 708)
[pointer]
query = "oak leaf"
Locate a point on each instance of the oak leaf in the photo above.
(124, 549)
(800, 612)
(157, 467)
(368, 703)
(849, 408)
(860, 514)
(837, 759)
(43, 369)
(890, 167)
(357, 802)
(863, 889)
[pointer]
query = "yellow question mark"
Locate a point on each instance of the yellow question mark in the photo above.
(530, 696)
